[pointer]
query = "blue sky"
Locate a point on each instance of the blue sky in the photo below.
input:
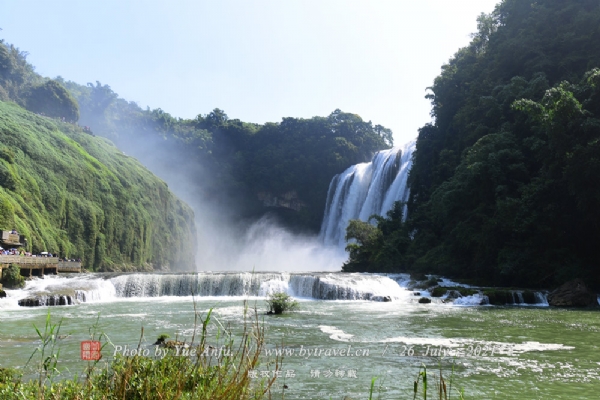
(258, 60)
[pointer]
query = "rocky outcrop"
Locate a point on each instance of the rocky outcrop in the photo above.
(572, 294)
(2, 293)
(424, 300)
(288, 200)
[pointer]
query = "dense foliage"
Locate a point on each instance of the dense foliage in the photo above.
(52, 99)
(16, 74)
(78, 196)
(11, 277)
(504, 185)
(244, 165)
(20, 83)
(381, 245)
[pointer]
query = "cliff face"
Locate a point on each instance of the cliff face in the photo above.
(288, 200)
(78, 196)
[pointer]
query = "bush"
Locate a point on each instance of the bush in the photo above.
(226, 375)
(11, 277)
(53, 100)
(281, 302)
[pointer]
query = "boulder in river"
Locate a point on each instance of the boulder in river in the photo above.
(572, 294)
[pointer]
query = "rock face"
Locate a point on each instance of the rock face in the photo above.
(572, 294)
(286, 200)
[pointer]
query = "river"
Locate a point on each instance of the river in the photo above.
(339, 339)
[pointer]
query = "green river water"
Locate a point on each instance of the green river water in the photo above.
(495, 352)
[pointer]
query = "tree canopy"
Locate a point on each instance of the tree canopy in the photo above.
(295, 157)
(504, 181)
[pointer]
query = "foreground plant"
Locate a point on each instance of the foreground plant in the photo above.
(442, 391)
(193, 372)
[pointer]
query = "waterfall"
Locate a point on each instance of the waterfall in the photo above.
(366, 189)
(97, 287)
(90, 288)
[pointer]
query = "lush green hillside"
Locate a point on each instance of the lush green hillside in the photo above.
(246, 168)
(78, 196)
(504, 185)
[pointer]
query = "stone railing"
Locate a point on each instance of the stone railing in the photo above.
(69, 266)
(28, 260)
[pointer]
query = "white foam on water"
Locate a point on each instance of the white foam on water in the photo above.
(275, 286)
(360, 287)
(10, 302)
(403, 280)
(335, 333)
(472, 300)
(423, 341)
(537, 346)
(84, 288)
(445, 282)
(497, 348)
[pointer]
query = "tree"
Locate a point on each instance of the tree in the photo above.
(378, 248)
(52, 99)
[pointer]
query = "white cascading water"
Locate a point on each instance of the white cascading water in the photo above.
(101, 288)
(323, 286)
(364, 190)
(90, 288)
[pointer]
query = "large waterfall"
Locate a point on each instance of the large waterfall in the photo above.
(366, 189)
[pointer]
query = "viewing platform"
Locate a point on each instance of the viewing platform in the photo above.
(38, 266)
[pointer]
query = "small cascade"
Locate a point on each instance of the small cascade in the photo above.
(515, 297)
(47, 300)
(60, 290)
(541, 299)
(347, 287)
(51, 290)
(364, 190)
(200, 284)
(519, 298)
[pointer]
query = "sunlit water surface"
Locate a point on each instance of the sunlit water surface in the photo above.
(495, 352)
